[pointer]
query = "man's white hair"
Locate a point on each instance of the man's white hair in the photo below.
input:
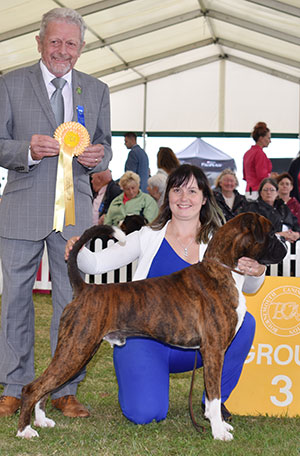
(64, 15)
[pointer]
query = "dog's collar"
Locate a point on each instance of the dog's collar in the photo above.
(211, 260)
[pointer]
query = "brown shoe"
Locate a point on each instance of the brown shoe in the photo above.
(9, 405)
(70, 407)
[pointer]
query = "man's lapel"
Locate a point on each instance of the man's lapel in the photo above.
(81, 97)
(41, 93)
(78, 95)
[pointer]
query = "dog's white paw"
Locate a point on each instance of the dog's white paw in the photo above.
(119, 235)
(227, 426)
(27, 433)
(219, 428)
(222, 432)
(226, 437)
(44, 423)
(40, 417)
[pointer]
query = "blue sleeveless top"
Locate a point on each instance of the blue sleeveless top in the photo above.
(166, 261)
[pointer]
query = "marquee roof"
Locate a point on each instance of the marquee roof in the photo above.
(130, 43)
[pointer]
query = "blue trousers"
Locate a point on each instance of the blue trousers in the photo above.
(143, 366)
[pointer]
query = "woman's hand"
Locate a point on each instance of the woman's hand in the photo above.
(251, 267)
(69, 246)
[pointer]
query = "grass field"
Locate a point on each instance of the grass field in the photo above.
(108, 433)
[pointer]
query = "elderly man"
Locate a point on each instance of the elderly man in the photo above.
(105, 190)
(28, 119)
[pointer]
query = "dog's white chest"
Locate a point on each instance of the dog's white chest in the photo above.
(241, 308)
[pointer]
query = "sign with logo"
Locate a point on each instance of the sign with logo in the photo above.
(269, 383)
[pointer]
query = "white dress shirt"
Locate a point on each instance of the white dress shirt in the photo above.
(66, 93)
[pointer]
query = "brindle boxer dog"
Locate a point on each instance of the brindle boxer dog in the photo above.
(199, 307)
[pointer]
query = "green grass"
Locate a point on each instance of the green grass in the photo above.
(108, 433)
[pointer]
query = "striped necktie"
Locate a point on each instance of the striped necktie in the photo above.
(57, 100)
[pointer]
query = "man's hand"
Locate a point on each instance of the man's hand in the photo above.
(43, 146)
(91, 156)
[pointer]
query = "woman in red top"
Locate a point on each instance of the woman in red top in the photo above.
(256, 165)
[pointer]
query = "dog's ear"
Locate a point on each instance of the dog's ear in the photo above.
(258, 232)
(253, 222)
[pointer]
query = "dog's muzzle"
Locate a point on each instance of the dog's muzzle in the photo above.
(275, 251)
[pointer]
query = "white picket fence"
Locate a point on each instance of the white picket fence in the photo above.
(289, 267)
(123, 274)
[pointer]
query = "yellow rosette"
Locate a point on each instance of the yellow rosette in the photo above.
(73, 138)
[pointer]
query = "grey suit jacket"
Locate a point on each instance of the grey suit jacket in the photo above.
(27, 206)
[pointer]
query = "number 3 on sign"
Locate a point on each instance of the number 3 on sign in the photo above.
(286, 390)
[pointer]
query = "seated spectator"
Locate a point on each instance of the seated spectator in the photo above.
(104, 190)
(285, 186)
(230, 201)
(156, 187)
(131, 201)
(273, 208)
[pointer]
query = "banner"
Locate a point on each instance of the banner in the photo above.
(269, 383)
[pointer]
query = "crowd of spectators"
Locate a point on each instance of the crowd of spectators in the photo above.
(277, 197)
(124, 203)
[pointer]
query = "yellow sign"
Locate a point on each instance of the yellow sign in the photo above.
(269, 383)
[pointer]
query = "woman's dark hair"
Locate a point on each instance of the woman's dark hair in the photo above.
(267, 180)
(210, 215)
(260, 129)
(284, 176)
(167, 160)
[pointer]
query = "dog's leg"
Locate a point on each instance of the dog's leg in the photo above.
(220, 429)
(24, 429)
(29, 398)
(35, 395)
(40, 420)
(40, 416)
(71, 355)
(212, 370)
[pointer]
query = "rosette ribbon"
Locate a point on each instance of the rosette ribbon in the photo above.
(73, 138)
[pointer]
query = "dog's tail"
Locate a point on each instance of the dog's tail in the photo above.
(104, 232)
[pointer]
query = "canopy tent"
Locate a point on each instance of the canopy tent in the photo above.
(210, 159)
(179, 66)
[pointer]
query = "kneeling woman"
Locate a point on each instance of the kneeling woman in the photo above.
(175, 240)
